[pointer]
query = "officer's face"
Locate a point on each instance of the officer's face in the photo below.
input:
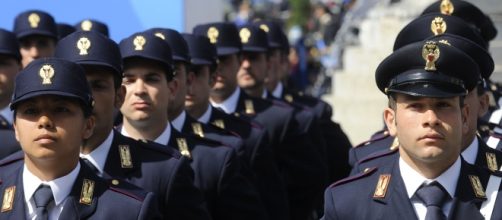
(226, 82)
(429, 130)
(106, 99)
(36, 46)
(478, 105)
(273, 77)
(147, 93)
(253, 70)
(177, 103)
(9, 67)
(50, 129)
(197, 97)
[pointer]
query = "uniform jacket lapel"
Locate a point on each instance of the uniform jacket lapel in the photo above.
(113, 163)
(15, 179)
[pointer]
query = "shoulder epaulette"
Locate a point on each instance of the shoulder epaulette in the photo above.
(129, 190)
(153, 146)
(378, 154)
(12, 158)
(206, 141)
(280, 103)
(495, 135)
(376, 137)
(349, 179)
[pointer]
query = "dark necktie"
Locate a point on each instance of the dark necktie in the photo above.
(42, 197)
(434, 196)
(90, 165)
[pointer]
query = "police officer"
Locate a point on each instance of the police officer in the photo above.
(426, 83)
(52, 104)
(37, 33)
(92, 25)
(257, 150)
(149, 83)
(150, 166)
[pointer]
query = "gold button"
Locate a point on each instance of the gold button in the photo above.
(366, 170)
(115, 182)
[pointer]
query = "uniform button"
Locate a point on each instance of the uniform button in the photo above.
(115, 182)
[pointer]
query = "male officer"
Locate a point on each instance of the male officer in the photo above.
(37, 33)
(52, 105)
(10, 61)
(425, 84)
(92, 25)
(149, 83)
(150, 166)
(257, 150)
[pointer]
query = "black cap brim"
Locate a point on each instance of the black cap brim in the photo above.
(27, 33)
(428, 90)
(223, 51)
(47, 92)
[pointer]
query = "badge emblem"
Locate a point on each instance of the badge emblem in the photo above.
(125, 156)
(87, 192)
(212, 34)
(83, 44)
(289, 98)
(46, 72)
(264, 27)
(248, 104)
(139, 42)
(382, 185)
(395, 144)
(197, 129)
(160, 35)
(430, 53)
(245, 34)
(219, 123)
(86, 25)
(183, 147)
(477, 187)
(8, 198)
(34, 19)
(446, 7)
(491, 161)
(438, 26)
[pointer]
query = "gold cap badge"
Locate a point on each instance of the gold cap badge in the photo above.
(212, 34)
(219, 123)
(46, 72)
(248, 104)
(34, 19)
(86, 25)
(446, 7)
(8, 198)
(438, 26)
(382, 185)
(83, 44)
(183, 147)
(477, 187)
(139, 41)
(125, 156)
(245, 34)
(87, 192)
(430, 53)
(197, 129)
(264, 27)
(160, 35)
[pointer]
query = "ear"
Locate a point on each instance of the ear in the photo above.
(15, 130)
(173, 87)
(88, 127)
(465, 115)
(212, 79)
(120, 96)
(190, 79)
(484, 102)
(389, 116)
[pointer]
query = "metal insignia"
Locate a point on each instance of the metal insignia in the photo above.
(219, 123)
(438, 26)
(139, 42)
(86, 25)
(34, 19)
(197, 129)
(395, 144)
(8, 198)
(288, 98)
(446, 7)
(87, 192)
(382, 185)
(264, 27)
(183, 147)
(430, 53)
(477, 187)
(83, 44)
(245, 34)
(125, 156)
(248, 104)
(46, 72)
(212, 34)
(491, 161)
(160, 35)
(443, 41)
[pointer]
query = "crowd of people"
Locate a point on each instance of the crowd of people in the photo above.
(202, 125)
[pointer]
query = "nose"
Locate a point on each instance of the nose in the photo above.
(34, 52)
(245, 63)
(431, 118)
(190, 79)
(139, 87)
(45, 122)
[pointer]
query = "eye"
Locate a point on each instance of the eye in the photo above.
(127, 80)
(153, 78)
(98, 85)
(61, 109)
(30, 111)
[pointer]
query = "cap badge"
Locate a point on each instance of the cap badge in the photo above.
(430, 53)
(160, 35)
(446, 7)
(34, 19)
(8, 198)
(264, 27)
(125, 156)
(139, 42)
(83, 44)
(382, 185)
(212, 34)
(183, 147)
(438, 26)
(87, 192)
(86, 25)
(245, 34)
(46, 72)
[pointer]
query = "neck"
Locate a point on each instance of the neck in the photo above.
(148, 131)
(198, 111)
(467, 140)
(48, 170)
(256, 92)
(95, 140)
(429, 170)
(272, 86)
(174, 113)
(221, 96)
(4, 103)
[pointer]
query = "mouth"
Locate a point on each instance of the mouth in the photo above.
(140, 104)
(45, 139)
(432, 136)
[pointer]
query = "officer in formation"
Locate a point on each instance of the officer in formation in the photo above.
(255, 155)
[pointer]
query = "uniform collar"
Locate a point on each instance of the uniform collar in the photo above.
(98, 156)
(413, 180)
(206, 116)
(230, 104)
(264, 95)
(7, 114)
(164, 136)
(278, 90)
(179, 121)
(61, 187)
(471, 152)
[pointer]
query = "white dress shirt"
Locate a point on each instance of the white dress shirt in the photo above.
(471, 152)
(61, 188)
(413, 180)
(7, 114)
(163, 138)
(206, 116)
(230, 104)
(278, 90)
(98, 156)
(179, 121)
